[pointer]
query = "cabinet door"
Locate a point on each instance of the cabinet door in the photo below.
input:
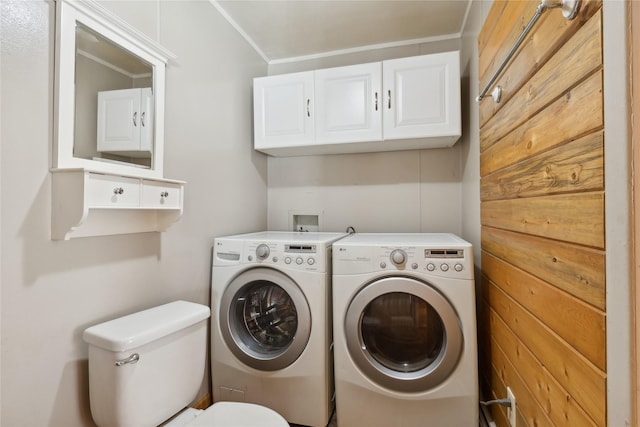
(422, 96)
(119, 120)
(283, 110)
(348, 104)
(146, 120)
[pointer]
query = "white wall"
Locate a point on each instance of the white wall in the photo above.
(404, 191)
(53, 290)
(470, 156)
(618, 229)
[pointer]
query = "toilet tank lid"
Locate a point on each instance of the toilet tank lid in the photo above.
(143, 327)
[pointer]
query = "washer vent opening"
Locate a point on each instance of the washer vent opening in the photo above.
(444, 253)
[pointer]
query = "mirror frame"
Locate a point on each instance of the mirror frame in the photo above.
(110, 26)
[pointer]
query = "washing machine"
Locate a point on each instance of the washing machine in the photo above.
(271, 319)
(404, 331)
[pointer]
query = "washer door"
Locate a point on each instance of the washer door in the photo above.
(265, 319)
(403, 334)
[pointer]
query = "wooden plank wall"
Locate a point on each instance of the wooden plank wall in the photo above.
(542, 320)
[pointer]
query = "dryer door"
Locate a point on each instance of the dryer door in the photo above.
(403, 334)
(265, 319)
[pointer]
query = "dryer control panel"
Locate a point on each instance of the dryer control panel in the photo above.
(351, 256)
(308, 257)
(306, 251)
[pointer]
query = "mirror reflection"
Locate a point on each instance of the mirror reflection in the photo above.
(114, 103)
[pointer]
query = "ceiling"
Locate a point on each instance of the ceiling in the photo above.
(93, 45)
(287, 30)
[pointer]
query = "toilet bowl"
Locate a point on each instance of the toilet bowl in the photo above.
(146, 367)
(237, 414)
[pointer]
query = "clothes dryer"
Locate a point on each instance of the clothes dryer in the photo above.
(271, 323)
(405, 331)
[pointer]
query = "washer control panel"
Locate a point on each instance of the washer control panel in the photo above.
(299, 256)
(444, 262)
(434, 260)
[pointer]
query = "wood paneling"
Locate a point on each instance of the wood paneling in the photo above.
(487, 32)
(577, 112)
(492, 47)
(542, 318)
(576, 269)
(560, 408)
(547, 216)
(579, 324)
(583, 381)
(578, 58)
(552, 31)
(572, 167)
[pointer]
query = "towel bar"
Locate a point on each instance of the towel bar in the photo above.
(569, 11)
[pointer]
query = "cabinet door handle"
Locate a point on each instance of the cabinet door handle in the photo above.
(308, 111)
(376, 95)
(142, 118)
(135, 118)
(389, 99)
(164, 194)
(118, 190)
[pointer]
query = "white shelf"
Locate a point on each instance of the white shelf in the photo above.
(88, 203)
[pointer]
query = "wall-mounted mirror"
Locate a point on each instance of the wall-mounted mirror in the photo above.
(109, 93)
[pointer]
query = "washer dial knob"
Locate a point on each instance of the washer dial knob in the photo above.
(262, 251)
(398, 256)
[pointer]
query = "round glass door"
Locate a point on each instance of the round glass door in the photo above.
(403, 334)
(265, 319)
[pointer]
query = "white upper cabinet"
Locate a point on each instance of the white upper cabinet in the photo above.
(348, 104)
(400, 104)
(125, 121)
(283, 110)
(422, 97)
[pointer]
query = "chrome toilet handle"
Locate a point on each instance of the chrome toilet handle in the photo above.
(131, 359)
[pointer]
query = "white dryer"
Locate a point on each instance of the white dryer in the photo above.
(405, 331)
(271, 323)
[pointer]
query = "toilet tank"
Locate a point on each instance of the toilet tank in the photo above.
(147, 366)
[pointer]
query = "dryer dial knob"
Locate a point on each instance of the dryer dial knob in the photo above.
(398, 256)
(262, 251)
